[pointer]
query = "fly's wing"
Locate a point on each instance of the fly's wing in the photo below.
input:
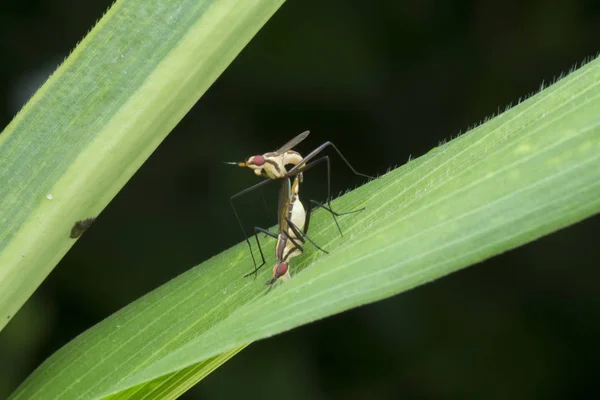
(292, 143)
(285, 192)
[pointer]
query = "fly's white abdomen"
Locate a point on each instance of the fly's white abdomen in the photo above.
(298, 217)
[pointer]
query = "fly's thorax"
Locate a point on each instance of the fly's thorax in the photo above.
(291, 248)
(290, 251)
(274, 167)
(291, 157)
(280, 247)
(286, 249)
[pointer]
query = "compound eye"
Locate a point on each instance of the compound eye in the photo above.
(282, 269)
(259, 161)
(279, 270)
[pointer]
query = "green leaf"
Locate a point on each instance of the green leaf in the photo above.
(526, 173)
(100, 115)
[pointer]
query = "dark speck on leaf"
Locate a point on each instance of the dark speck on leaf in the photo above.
(80, 227)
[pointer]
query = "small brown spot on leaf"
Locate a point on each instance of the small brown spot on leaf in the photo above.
(81, 226)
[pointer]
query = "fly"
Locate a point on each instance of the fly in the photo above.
(293, 221)
(272, 166)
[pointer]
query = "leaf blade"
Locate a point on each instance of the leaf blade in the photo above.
(528, 172)
(100, 116)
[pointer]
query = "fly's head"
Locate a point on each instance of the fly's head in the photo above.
(255, 163)
(281, 272)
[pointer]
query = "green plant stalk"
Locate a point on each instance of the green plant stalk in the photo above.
(523, 174)
(99, 116)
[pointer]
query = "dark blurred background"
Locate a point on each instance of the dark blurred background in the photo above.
(384, 80)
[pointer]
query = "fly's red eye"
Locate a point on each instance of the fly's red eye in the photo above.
(282, 269)
(258, 161)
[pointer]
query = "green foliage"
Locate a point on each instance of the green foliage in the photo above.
(100, 115)
(528, 172)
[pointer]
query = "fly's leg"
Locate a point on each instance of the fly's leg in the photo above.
(258, 230)
(312, 155)
(247, 190)
(299, 233)
(319, 149)
(337, 214)
(266, 208)
(334, 214)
